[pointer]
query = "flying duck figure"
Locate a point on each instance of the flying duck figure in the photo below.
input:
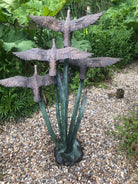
(34, 82)
(67, 26)
(52, 55)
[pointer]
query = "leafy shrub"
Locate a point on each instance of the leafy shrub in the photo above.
(112, 43)
(15, 103)
(112, 37)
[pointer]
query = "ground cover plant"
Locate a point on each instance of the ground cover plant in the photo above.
(127, 133)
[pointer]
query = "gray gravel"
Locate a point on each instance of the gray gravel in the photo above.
(26, 150)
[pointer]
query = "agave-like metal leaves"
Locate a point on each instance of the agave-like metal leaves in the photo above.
(52, 55)
(67, 26)
(34, 82)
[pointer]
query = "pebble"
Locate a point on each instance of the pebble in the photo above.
(27, 151)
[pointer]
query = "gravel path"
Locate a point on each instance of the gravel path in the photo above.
(26, 150)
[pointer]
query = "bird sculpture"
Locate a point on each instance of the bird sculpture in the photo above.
(84, 64)
(67, 26)
(52, 55)
(34, 82)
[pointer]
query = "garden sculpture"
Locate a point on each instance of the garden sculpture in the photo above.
(68, 150)
(52, 55)
(67, 26)
(92, 62)
(34, 82)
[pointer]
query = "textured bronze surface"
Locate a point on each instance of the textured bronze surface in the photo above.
(52, 55)
(84, 64)
(67, 26)
(34, 82)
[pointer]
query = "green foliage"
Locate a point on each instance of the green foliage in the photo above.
(136, 48)
(79, 7)
(112, 43)
(9, 5)
(81, 44)
(111, 37)
(94, 77)
(15, 35)
(15, 103)
(127, 132)
(122, 13)
(11, 39)
(78, 41)
(37, 7)
(74, 83)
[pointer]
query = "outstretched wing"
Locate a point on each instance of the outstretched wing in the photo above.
(48, 22)
(101, 61)
(33, 54)
(17, 81)
(94, 62)
(85, 21)
(71, 53)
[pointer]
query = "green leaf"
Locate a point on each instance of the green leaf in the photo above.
(4, 16)
(81, 45)
(39, 8)
(9, 5)
(15, 39)
(136, 47)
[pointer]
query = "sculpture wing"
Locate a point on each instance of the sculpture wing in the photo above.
(85, 21)
(101, 61)
(71, 53)
(33, 54)
(17, 81)
(48, 80)
(48, 22)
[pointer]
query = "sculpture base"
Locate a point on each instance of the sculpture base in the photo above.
(71, 158)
